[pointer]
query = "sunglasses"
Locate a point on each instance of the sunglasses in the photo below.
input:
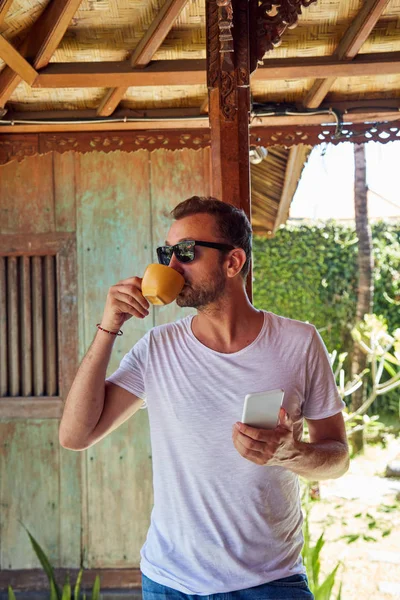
(185, 251)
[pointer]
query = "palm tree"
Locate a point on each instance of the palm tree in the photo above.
(365, 290)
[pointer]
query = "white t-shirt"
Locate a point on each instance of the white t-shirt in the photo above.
(221, 522)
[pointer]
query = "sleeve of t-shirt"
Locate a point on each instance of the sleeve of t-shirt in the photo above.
(131, 373)
(322, 398)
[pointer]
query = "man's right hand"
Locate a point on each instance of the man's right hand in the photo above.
(124, 300)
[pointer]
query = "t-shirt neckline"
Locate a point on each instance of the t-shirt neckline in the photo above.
(225, 354)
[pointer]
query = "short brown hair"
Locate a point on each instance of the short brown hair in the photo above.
(232, 223)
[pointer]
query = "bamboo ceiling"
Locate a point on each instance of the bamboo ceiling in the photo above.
(110, 30)
(267, 181)
(341, 52)
(273, 184)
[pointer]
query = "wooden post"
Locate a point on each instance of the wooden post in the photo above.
(228, 80)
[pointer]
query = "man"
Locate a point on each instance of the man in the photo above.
(227, 516)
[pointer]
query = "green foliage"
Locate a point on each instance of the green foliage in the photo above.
(386, 244)
(371, 525)
(309, 273)
(55, 593)
(11, 595)
(311, 559)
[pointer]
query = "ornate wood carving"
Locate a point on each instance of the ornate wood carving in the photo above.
(212, 51)
(18, 147)
(242, 43)
(317, 134)
(228, 62)
(127, 141)
(220, 55)
(225, 24)
(273, 18)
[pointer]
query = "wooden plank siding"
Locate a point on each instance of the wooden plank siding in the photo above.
(95, 505)
(30, 491)
(113, 191)
(3, 329)
(32, 211)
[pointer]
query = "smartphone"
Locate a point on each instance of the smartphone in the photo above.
(261, 409)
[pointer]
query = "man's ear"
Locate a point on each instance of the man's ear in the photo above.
(237, 258)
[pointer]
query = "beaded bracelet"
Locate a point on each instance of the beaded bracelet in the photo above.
(120, 332)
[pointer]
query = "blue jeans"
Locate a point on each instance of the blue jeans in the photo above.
(288, 588)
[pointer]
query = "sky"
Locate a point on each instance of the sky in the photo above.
(326, 186)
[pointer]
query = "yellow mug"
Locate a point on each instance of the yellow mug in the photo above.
(161, 284)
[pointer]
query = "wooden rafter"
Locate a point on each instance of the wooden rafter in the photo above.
(145, 50)
(349, 46)
(41, 43)
(193, 72)
(369, 109)
(16, 62)
(204, 106)
(102, 74)
(157, 32)
(379, 63)
(294, 167)
(387, 110)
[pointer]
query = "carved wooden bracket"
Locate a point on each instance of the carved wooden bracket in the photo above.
(273, 18)
(220, 55)
(239, 33)
(225, 24)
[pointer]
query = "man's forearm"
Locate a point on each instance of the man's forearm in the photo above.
(323, 460)
(85, 400)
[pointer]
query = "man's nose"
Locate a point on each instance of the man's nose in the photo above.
(175, 264)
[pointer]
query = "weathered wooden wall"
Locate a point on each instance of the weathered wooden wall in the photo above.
(94, 504)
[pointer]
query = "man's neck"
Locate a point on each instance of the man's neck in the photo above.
(228, 328)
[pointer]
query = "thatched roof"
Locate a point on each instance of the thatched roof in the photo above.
(110, 30)
(94, 59)
(273, 184)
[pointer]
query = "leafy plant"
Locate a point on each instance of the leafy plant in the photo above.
(371, 525)
(311, 558)
(55, 593)
(309, 272)
(373, 337)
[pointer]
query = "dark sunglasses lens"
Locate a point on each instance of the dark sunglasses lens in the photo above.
(184, 252)
(164, 255)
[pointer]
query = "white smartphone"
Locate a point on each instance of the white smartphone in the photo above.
(261, 409)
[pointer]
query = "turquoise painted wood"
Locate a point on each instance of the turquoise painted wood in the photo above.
(30, 491)
(96, 502)
(114, 243)
(70, 506)
(64, 191)
(26, 196)
(40, 482)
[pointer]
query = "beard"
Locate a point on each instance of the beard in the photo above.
(202, 294)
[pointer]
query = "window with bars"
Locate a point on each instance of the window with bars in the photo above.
(38, 324)
(28, 309)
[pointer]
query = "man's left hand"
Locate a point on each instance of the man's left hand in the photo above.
(273, 447)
